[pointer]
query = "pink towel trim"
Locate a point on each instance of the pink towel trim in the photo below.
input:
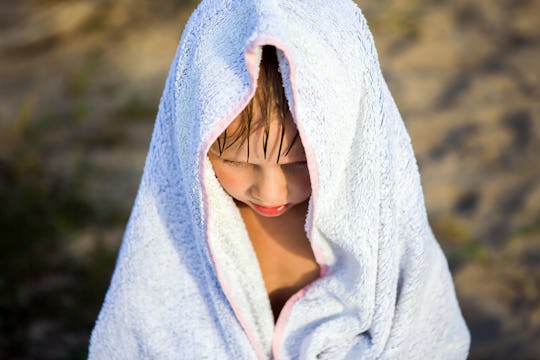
(252, 66)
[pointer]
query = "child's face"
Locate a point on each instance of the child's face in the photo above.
(267, 187)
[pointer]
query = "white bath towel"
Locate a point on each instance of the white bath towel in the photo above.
(187, 284)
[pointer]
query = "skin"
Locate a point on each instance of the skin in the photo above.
(262, 181)
(280, 242)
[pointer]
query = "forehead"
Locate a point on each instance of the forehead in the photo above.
(279, 139)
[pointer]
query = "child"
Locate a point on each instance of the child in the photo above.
(269, 184)
(280, 213)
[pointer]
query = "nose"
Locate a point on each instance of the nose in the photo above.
(270, 187)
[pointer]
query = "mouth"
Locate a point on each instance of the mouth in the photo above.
(270, 211)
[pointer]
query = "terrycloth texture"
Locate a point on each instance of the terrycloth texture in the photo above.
(187, 283)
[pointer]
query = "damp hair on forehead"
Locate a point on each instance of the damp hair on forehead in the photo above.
(272, 103)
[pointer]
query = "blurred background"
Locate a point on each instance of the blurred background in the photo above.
(80, 81)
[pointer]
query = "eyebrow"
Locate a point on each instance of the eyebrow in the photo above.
(279, 163)
(293, 161)
(221, 156)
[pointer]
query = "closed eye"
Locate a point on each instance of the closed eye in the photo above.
(297, 163)
(235, 163)
(295, 166)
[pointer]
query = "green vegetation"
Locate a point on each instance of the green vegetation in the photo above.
(47, 296)
(455, 235)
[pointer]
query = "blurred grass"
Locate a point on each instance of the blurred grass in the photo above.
(50, 295)
(49, 298)
(460, 246)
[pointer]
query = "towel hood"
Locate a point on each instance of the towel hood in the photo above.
(187, 280)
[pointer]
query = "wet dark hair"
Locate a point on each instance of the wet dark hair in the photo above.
(271, 99)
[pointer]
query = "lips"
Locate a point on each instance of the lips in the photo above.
(270, 211)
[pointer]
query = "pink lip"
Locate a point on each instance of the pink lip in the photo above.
(270, 211)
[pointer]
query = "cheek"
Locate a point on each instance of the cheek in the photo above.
(229, 180)
(302, 185)
(306, 184)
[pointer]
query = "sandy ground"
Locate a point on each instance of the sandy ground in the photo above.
(80, 84)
